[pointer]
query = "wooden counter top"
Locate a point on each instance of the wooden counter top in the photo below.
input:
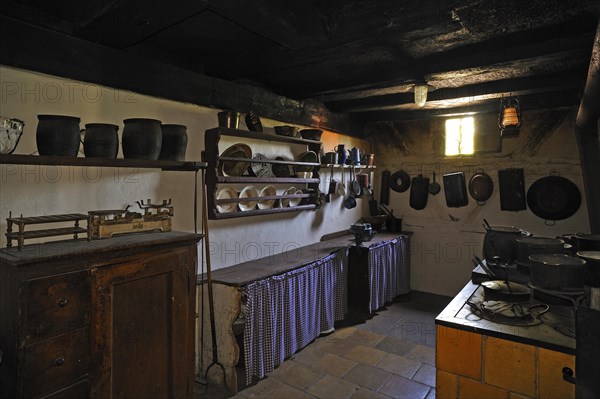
(258, 269)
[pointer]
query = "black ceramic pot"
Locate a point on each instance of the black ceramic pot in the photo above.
(142, 138)
(174, 143)
(557, 271)
(58, 135)
(101, 140)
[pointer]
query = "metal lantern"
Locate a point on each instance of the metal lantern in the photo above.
(509, 117)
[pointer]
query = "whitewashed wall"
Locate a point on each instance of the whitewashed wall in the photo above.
(47, 190)
(442, 249)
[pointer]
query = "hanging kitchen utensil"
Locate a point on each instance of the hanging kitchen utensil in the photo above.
(455, 189)
(511, 183)
(384, 192)
(553, 198)
(434, 187)
(399, 181)
(373, 208)
(481, 187)
(419, 191)
(354, 184)
(342, 186)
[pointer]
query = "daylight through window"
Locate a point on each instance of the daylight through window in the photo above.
(459, 136)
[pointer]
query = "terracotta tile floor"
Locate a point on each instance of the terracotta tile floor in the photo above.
(391, 355)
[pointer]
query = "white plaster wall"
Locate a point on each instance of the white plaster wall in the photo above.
(47, 190)
(442, 249)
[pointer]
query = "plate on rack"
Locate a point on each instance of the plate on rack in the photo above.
(267, 191)
(285, 202)
(233, 168)
(226, 193)
(248, 192)
(260, 169)
(308, 156)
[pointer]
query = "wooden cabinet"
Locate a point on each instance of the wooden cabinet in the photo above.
(102, 319)
(214, 178)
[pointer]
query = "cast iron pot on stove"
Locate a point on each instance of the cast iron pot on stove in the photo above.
(499, 242)
(527, 246)
(557, 272)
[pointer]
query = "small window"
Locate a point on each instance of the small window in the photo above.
(459, 136)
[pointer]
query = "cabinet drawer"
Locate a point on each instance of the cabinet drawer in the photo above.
(56, 305)
(80, 390)
(55, 363)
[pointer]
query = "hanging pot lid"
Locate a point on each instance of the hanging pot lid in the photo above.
(553, 198)
(399, 181)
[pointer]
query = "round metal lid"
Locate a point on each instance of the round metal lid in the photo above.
(542, 241)
(557, 260)
(591, 255)
(506, 229)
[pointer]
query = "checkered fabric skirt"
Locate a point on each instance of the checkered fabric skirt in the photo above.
(284, 313)
(389, 271)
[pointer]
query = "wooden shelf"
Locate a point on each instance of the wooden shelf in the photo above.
(338, 166)
(264, 211)
(262, 136)
(271, 161)
(272, 180)
(265, 198)
(17, 159)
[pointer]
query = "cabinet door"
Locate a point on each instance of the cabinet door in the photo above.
(143, 326)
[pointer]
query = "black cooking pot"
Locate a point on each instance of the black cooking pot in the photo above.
(58, 135)
(142, 138)
(592, 267)
(587, 242)
(174, 142)
(481, 187)
(553, 198)
(499, 241)
(527, 246)
(557, 271)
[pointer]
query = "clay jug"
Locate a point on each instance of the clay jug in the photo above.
(101, 140)
(57, 135)
(174, 143)
(142, 138)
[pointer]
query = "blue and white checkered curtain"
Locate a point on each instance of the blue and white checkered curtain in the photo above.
(284, 313)
(389, 271)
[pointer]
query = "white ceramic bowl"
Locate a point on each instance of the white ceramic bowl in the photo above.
(267, 191)
(296, 201)
(248, 192)
(226, 193)
(285, 202)
(304, 175)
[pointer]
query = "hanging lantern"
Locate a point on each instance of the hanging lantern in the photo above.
(509, 117)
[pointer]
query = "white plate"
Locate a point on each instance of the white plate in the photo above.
(296, 201)
(285, 202)
(248, 192)
(267, 191)
(226, 193)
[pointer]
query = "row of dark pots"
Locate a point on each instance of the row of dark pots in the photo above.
(142, 138)
(552, 263)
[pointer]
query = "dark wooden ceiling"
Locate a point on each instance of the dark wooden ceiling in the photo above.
(360, 57)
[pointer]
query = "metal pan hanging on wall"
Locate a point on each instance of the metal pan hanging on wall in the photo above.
(481, 187)
(399, 181)
(553, 198)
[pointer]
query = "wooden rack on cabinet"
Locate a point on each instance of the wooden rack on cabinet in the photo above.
(213, 178)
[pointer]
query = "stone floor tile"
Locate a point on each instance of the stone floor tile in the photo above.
(309, 355)
(380, 324)
(330, 387)
(399, 388)
(364, 337)
(342, 333)
(262, 389)
(289, 392)
(339, 348)
(425, 375)
(365, 354)
(414, 330)
(431, 394)
(334, 364)
(394, 345)
(367, 376)
(364, 393)
(297, 374)
(423, 354)
(399, 365)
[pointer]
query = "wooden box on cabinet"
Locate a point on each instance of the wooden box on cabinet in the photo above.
(101, 319)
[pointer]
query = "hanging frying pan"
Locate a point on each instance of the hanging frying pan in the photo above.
(419, 191)
(384, 195)
(553, 198)
(434, 187)
(481, 187)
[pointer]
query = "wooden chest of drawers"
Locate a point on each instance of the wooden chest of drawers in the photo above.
(100, 319)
